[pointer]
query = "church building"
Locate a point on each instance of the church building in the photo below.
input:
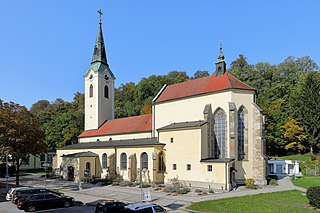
(207, 132)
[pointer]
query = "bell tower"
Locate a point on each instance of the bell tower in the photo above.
(221, 65)
(99, 86)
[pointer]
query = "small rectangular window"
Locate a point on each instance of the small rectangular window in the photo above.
(209, 168)
(171, 140)
(174, 166)
(188, 167)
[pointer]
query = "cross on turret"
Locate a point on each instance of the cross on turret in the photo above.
(100, 15)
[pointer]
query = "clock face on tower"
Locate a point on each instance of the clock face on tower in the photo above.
(106, 77)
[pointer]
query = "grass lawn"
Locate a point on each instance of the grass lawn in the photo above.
(286, 201)
(307, 181)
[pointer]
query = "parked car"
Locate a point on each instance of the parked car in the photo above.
(22, 193)
(42, 201)
(12, 190)
(145, 208)
(110, 206)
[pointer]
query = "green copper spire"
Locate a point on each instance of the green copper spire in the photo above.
(221, 65)
(99, 54)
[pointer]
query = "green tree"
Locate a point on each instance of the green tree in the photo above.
(39, 106)
(62, 121)
(200, 74)
(294, 135)
(305, 106)
(20, 134)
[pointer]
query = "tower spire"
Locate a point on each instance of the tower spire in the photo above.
(221, 65)
(99, 53)
(220, 56)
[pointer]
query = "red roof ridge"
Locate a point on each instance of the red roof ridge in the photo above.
(132, 124)
(209, 84)
(235, 79)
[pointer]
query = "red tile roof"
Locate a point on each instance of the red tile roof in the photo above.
(199, 86)
(134, 124)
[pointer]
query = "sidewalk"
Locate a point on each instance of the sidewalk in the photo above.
(170, 201)
(91, 194)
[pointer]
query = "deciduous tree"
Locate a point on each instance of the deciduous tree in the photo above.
(20, 134)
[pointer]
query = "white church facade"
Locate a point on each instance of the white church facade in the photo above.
(206, 132)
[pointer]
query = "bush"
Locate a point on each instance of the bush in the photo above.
(124, 183)
(313, 195)
(198, 190)
(169, 189)
(145, 185)
(184, 191)
(250, 182)
(273, 182)
(313, 156)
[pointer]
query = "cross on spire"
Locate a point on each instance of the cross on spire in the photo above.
(100, 15)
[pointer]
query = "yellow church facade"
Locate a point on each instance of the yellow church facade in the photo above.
(207, 132)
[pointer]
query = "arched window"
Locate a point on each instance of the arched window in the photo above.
(162, 167)
(242, 133)
(220, 128)
(91, 91)
(88, 165)
(104, 161)
(144, 161)
(123, 161)
(106, 91)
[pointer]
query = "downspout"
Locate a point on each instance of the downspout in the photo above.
(226, 175)
(115, 160)
(153, 132)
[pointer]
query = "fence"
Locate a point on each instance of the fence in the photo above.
(313, 171)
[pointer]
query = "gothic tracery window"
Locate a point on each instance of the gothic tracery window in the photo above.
(220, 128)
(242, 133)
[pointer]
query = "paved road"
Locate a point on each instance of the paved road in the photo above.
(91, 194)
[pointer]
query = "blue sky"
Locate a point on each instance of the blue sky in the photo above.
(46, 45)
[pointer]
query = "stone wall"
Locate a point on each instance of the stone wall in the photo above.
(259, 164)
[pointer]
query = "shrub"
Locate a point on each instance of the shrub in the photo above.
(250, 182)
(145, 185)
(169, 189)
(198, 190)
(124, 183)
(184, 191)
(313, 195)
(313, 157)
(273, 182)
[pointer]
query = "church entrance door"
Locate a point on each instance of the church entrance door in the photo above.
(71, 173)
(132, 168)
